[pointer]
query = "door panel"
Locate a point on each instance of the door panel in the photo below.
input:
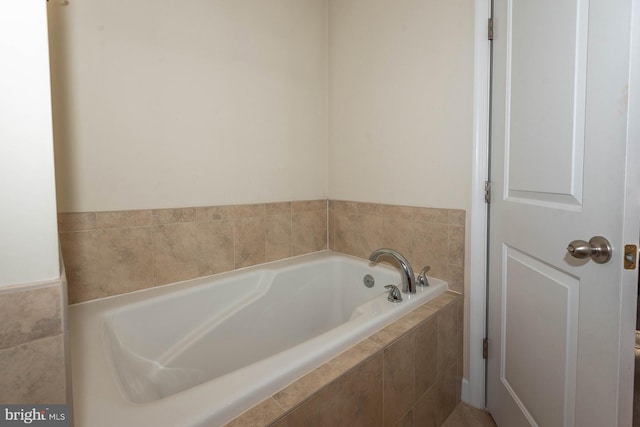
(545, 99)
(559, 78)
(539, 329)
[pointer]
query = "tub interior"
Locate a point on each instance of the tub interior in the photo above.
(161, 346)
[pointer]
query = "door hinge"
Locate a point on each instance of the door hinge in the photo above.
(487, 192)
(485, 348)
(490, 29)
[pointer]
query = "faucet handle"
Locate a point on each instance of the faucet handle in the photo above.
(394, 294)
(422, 277)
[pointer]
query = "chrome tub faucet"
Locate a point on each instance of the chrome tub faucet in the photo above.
(408, 278)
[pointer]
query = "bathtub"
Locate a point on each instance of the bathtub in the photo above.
(203, 351)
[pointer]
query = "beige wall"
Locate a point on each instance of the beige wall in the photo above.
(189, 103)
(400, 101)
(177, 104)
(29, 248)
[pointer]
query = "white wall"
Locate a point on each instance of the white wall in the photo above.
(401, 98)
(189, 103)
(28, 229)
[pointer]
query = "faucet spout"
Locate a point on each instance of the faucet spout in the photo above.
(408, 278)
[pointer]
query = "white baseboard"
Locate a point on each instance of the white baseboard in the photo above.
(465, 391)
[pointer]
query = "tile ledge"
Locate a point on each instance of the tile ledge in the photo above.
(31, 285)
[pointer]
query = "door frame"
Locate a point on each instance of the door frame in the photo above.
(631, 227)
(474, 390)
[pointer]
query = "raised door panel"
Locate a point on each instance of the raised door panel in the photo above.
(545, 109)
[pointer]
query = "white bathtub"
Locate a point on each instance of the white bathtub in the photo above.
(203, 351)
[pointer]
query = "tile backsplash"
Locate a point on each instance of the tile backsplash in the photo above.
(426, 236)
(111, 253)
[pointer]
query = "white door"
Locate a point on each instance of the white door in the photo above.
(559, 327)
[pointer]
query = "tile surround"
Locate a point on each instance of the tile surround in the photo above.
(426, 236)
(32, 347)
(34, 372)
(29, 315)
(376, 382)
(110, 253)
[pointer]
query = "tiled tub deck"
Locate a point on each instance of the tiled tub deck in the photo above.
(407, 374)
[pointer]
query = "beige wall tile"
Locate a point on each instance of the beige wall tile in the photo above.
(76, 221)
(399, 379)
(249, 235)
(355, 228)
(393, 332)
(426, 409)
(456, 245)
(424, 312)
(448, 391)
(456, 217)
(279, 208)
(171, 216)
(399, 212)
(303, 388)
(80, 254)
(215, 247)
(370, 208)
(367, 236)
(430, 248)
(214, 213)
(34, 372)
(354, 399)
(125, 260)
(439, 216)
(355, 355)
(175, 252)
(249, 211)
(344, 206)
(278, 236)
(29, 314)
(442, 300)
(406, 421)
(123, 219)
(309, 231)
(263, 414)
(426, 355)
(455, 278)
(398, 234)
(449, 333)
(341, 230)
(308, 205)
